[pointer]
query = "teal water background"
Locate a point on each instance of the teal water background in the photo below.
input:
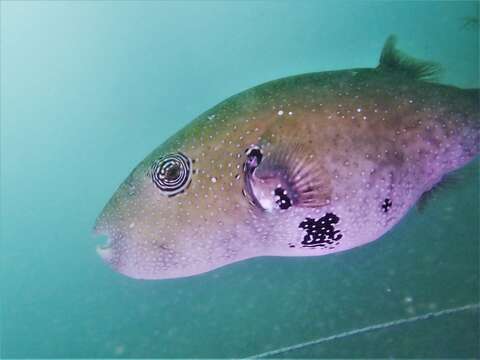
(89, 88)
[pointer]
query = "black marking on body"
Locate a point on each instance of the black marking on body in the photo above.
(282, 199)
(386, 205)
(254, 158)
(321, 232)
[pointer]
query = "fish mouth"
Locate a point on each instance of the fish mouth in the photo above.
(107, 244)
(104, 250)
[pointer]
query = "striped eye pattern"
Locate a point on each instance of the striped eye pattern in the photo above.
(172, 173)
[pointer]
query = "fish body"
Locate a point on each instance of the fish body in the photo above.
(301, 166)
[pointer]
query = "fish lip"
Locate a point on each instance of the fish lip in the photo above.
(102, 231)
(104, 250)
(107, 245)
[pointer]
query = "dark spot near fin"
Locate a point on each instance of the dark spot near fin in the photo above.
(254, 157)
(393, 60)
(282, 199)
(321, 232)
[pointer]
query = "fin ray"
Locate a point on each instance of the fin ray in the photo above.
(302, 175)
(392, 59)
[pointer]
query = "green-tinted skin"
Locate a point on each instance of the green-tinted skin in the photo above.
(361, 136)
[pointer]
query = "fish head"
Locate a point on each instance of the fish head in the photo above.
(149, 221)
(176, 214)
(200, 201)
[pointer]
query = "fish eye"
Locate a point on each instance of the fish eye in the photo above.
(172, 173)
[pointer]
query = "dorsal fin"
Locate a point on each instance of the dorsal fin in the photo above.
(394, 60)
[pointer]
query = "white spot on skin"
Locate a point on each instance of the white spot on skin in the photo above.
(214, 179)
(359, 110)
(132, 225)
(290, 113)
(280, 112)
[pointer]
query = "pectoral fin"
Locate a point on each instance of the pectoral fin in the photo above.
(287, 175)
(446, 183)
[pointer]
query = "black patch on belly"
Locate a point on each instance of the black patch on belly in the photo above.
(321, 232)
(283, 201)
(386, 205)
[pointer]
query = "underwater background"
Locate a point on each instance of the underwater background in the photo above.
(89, 88)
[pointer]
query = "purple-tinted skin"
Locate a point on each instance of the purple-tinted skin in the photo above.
(344, 156)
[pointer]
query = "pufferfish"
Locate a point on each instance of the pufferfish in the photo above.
(306, 165)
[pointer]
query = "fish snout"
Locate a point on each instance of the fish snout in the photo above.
(109, 250)
(105, 251)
